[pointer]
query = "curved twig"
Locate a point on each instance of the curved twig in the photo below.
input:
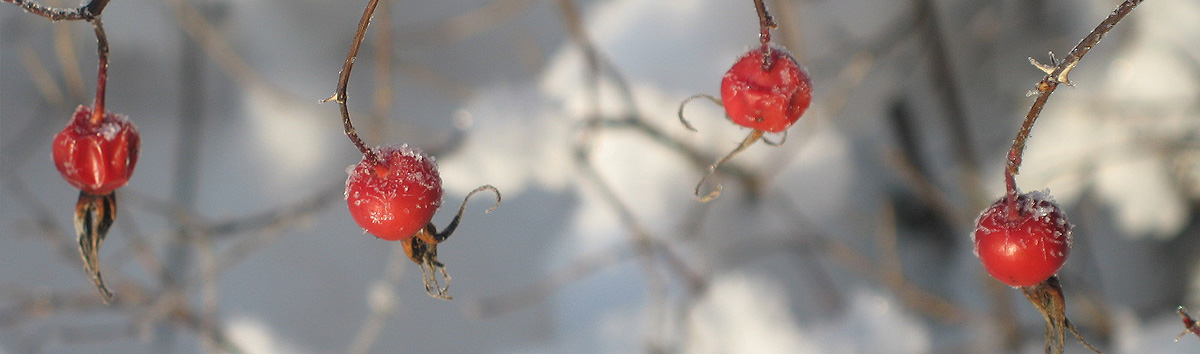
(1056, 73)
(683, 120)
(782, 139)
(344, 80)
(765, 24)
(101, 71)
(442, 236)
(712, 169)
(422, 248)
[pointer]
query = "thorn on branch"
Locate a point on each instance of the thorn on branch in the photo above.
(1057, 70)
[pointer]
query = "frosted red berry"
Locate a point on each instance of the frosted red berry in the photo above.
(769, 100)
(97, 157)
(1025, 245)
(396, 198)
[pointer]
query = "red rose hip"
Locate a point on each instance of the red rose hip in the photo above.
(396, 198)
(97, 155)
(770, 100)
(1026, 244)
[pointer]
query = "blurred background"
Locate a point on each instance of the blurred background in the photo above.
(851, 237)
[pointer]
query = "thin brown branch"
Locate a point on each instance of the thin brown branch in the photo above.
(87, 12)
(280, 216)
(344, 81)
(101, 71)
(251, 223)
(765, 24)
(1056, 73)
(750, 139)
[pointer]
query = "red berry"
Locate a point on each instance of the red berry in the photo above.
(95, 157)
(1025, 245)
(769, 100)
(396, 198)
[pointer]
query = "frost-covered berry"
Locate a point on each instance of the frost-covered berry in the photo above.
(1023, 244)
(396, 198)
(97, 157)
(770, 100)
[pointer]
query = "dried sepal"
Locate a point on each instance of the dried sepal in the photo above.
(94, 215)
(1047, 297)
(1189, 324)
(422, 248)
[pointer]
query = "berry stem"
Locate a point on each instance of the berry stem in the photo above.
(712, 169)
(765, 24)
(1056, 73)
(344, 81)
(101, 71)
(89, 12)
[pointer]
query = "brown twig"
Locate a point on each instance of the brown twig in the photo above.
(750, 139)
(101, 71)
(1056, 73)
(765, 24)
(87, 12)
(344, 81)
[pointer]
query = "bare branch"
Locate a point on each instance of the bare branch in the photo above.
(86, 12)
(1050, 82)
(344, 81)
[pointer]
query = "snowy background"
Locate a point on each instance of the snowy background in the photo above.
(852, 237)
